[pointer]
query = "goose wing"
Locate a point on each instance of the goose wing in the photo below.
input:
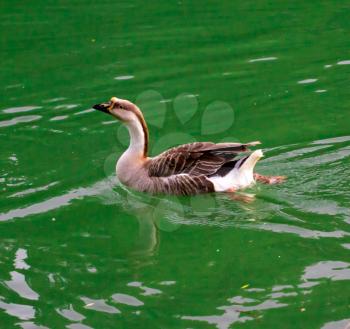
(195, 159)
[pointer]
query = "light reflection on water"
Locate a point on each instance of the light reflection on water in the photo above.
(211, 210)
(20, 311)
(341, 324)
(166, 214)
(290, 203)
(21, 109)
(255, 300)
(80, 252)
(19, 285)
(20, 119)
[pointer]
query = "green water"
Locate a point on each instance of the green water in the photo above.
(80, 251)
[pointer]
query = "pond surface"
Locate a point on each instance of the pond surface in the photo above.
(80, 251)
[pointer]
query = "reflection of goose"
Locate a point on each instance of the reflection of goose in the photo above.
(187, 169)
(148, 237)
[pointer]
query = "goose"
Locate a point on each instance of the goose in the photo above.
(188, 169)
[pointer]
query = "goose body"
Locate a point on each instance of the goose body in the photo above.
(188, 169)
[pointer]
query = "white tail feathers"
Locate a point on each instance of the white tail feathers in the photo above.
(254, 143)
(250, 163)
(238, 177)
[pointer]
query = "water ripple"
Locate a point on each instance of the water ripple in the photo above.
(99, 305)
(59, 118)
(127, 300)
(84, 111)
(262, 59)
(30, 325)
(20, 311)
(21, 109)
(66, 106)
(78, 326)
(334, 270)
(332, 140)
(232, 313)
(55, 202)
(19, 262)
(301, 232)
(307, 81)
(32, 190)
(341, 324)
(241, 305)
(347, 62)
(124, 77)
(54, 100)
(147, 291)
(70, 314)
(21, 119)
(19, 285)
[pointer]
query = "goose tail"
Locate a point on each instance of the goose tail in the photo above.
(250, 163)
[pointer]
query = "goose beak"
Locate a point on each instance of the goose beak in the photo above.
(103, 107)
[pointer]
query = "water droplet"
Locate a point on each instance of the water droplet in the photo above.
(217, 118)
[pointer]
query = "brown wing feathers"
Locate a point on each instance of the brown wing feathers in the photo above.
(195, 159)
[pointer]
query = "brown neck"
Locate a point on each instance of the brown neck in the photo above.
(138, 137)
(145, 133)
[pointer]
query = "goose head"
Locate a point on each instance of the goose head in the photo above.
(132, 117)
(121, 109)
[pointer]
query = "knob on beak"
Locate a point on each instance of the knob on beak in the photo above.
(103, 107)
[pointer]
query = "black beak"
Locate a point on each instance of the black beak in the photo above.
(103, 107)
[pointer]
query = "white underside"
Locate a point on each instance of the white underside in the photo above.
(238, 178)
